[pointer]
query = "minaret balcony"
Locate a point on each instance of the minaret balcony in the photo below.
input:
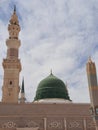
(12, 64)
(13, 43)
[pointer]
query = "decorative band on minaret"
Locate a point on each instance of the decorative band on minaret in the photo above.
(11, 64)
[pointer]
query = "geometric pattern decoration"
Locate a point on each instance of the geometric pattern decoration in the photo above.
(51, 124)
(90, 124)
(32, 124)
(55, 125)
(75, 124)
(9, 124)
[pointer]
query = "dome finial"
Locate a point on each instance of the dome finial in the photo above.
(51, 72)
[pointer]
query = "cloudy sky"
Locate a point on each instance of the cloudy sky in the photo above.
(55, 34)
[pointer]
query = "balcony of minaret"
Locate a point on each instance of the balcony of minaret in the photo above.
(12, 64)
(13, 31)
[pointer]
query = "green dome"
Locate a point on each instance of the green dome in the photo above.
(51, 87)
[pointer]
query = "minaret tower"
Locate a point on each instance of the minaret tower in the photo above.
(22, 95)
(93, 89)
(11, 64)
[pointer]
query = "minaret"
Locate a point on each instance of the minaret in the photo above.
(11, 64)
(93, 89)
(22, 96)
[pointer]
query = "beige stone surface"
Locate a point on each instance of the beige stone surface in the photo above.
(27, 128)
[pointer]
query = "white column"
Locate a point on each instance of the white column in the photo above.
(84, 123)
(65, 126)
(96, 127)
(45, 123)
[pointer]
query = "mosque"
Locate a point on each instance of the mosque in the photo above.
(52, 108)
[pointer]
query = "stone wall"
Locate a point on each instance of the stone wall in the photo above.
(45, 117)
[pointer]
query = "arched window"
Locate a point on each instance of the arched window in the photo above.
(10, 82)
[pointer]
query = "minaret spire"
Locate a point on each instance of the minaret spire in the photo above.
(22, 95)
(93, 88)
(90, 59)
(22, 89)
(14, 8)
(92, 80)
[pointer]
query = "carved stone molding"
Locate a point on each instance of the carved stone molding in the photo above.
(55, 124)
(32, 123)
(75, 124)
(9, 124)
(90, 124)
